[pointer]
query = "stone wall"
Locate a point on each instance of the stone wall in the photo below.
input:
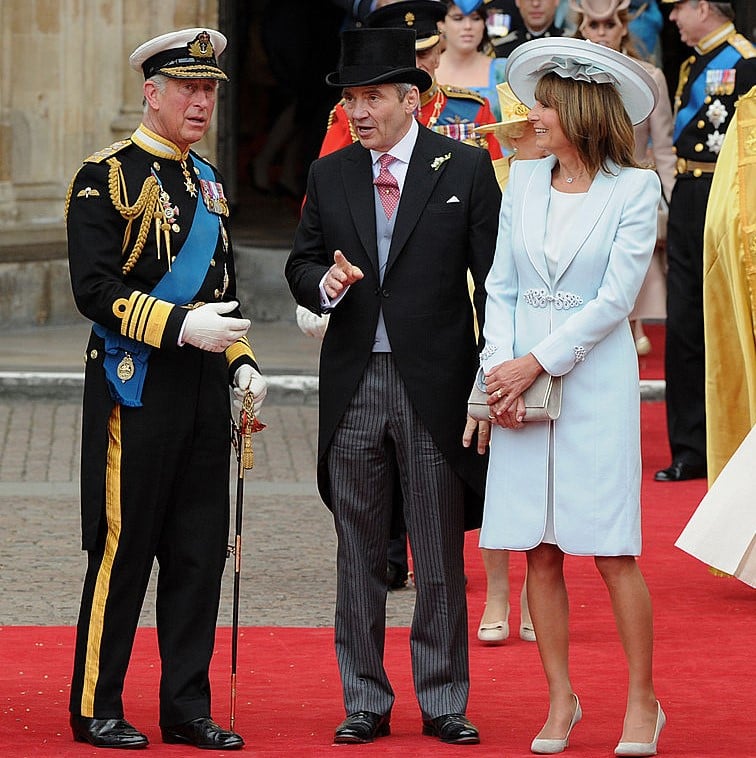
(66, 91)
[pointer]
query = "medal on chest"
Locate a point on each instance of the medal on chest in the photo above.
(720, 81)
(215, 200)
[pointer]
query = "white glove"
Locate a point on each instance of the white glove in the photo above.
(311, 323)
(206, 328)
(246, 379)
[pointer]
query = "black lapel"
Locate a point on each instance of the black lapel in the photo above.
(418, 185)
(358, 184)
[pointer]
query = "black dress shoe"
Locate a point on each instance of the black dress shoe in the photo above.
(203, 733)
(453, 728)
(680, 471)
(362, 726)
(107, 733)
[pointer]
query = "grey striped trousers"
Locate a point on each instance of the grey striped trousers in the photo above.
(380, 437)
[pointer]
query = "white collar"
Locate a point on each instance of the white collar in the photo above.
(402, 150)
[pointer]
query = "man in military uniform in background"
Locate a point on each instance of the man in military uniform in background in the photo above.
(453, 111)
(720, 70)
(152, 266)
(538, 19)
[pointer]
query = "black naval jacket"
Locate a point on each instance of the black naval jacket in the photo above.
(699, 137)
(115, 262)
(505, 45)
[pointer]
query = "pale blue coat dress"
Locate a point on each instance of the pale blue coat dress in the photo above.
(577, 327)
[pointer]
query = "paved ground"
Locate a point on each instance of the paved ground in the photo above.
(288, 566)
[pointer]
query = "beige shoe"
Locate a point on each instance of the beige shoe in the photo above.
(550, 747)
(527, 632)
(495, 632)
(644, 748)
(643, 345)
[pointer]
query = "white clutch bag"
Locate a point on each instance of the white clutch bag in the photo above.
(543, 400)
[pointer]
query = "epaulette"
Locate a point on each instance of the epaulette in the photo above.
(107, 152)
(742, 45)
(511, 37)
(451, 91)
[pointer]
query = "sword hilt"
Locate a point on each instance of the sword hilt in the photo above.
(248, 425)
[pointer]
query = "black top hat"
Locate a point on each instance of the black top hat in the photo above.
(422, 16)
(378, 56)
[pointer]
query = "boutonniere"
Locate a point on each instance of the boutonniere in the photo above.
(439, 161)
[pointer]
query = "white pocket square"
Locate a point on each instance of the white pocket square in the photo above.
(453, 199)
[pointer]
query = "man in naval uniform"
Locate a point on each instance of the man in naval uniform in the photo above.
(453, 111)
(720, 70)
(538, 20)
(152, 266)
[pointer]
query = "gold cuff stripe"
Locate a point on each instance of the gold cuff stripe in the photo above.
(239, 349)
(153, 334)
(129, 327)
(102, 583)
(143, 320)
(143, 317)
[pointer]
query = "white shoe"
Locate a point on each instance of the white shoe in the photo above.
(549, 747)
(644, 748)
(527, 632)
(496, 632)
(643, 345)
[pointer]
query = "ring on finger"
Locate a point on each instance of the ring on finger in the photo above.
(498, 393)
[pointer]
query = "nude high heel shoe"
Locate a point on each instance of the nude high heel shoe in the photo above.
(644, 748)
(496, 632)
(549, 747)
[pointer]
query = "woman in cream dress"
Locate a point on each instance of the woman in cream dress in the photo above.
(576, 233)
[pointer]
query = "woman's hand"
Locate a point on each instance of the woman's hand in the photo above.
(505, 384)
(512, 418)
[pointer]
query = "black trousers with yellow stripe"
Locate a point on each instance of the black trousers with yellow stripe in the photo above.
(165, 497)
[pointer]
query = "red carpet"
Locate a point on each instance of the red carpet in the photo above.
(289, 696)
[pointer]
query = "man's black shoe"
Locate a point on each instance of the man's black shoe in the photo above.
(203, 733)
(680, 471)
(396, 576)
(453, 728)
(361, 727)
(107, 733)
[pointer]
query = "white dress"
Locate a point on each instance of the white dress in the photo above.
(564, 210)
(575, 323)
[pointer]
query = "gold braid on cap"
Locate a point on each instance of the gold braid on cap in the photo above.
(146, 206)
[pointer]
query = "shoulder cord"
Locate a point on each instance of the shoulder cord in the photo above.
(146, 205)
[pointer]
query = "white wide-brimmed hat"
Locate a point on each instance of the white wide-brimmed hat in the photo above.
(585, 61)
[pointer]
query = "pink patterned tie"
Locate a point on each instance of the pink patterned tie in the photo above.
(388, 187)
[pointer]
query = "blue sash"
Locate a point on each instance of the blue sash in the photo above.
(177, 286)
(726, 59)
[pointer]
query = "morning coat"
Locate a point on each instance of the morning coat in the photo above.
(577, 328)
(446, 223)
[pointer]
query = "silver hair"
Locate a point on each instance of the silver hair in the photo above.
(723, 9)
(160, 81)
(402, 88)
